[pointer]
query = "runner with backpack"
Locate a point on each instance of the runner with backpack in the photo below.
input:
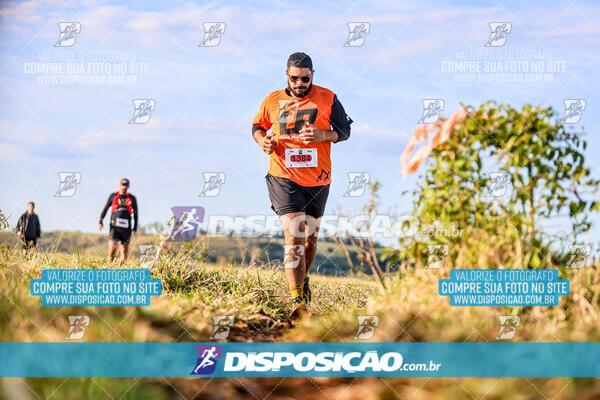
(123, 207)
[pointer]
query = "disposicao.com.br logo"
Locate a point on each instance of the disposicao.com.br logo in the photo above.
(307, 362)
(207, 359)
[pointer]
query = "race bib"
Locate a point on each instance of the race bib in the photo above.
(301, 158)
(122, 222)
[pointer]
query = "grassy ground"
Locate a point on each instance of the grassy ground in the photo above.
(194, 290)
(258, 251)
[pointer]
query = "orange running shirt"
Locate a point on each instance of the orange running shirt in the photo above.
(305, 164)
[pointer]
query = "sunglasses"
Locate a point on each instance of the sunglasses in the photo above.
(305, 78)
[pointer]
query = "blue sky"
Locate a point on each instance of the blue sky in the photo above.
(206, 97)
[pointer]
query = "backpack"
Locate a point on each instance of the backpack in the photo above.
(115, 203)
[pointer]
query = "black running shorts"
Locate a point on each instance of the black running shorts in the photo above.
(29, 243)
(120, 235)
(287, 196)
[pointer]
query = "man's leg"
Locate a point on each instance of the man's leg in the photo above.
(124, 251)
(316, 199)
(27, 244)
(312, 235)
(112, 246)
(294, 262)
(310, 244)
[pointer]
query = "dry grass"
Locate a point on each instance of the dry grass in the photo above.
(194, 291)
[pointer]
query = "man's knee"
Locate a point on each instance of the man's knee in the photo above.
(294, 240)
(294, 227)
(311, 240)
(293, 255)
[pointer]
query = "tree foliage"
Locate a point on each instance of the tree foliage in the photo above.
(547, 174)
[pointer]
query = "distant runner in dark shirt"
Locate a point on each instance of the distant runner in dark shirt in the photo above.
(29, 228)
(123, 207)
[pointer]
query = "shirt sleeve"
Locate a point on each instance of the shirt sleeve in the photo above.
(38, 232)
(105, 209)
(135, 212)
(20, 224)
(262, 120)
(340, 121)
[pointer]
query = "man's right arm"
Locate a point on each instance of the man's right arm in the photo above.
(261, 124)
(20, 224)
(266, 142)
(105, 209)
(258, 134)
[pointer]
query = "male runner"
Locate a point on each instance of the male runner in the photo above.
(28, 228)
(300, 168)
(123, 206)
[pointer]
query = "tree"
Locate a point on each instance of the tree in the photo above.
(546, 171)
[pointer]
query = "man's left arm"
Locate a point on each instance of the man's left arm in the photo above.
(38, 232)
(135, 213)
(339, 121)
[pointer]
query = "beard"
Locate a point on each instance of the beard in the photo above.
(301, 89)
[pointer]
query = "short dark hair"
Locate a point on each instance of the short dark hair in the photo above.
(300, 60)
(32, 203)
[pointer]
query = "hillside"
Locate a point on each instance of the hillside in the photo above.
(329, 260)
